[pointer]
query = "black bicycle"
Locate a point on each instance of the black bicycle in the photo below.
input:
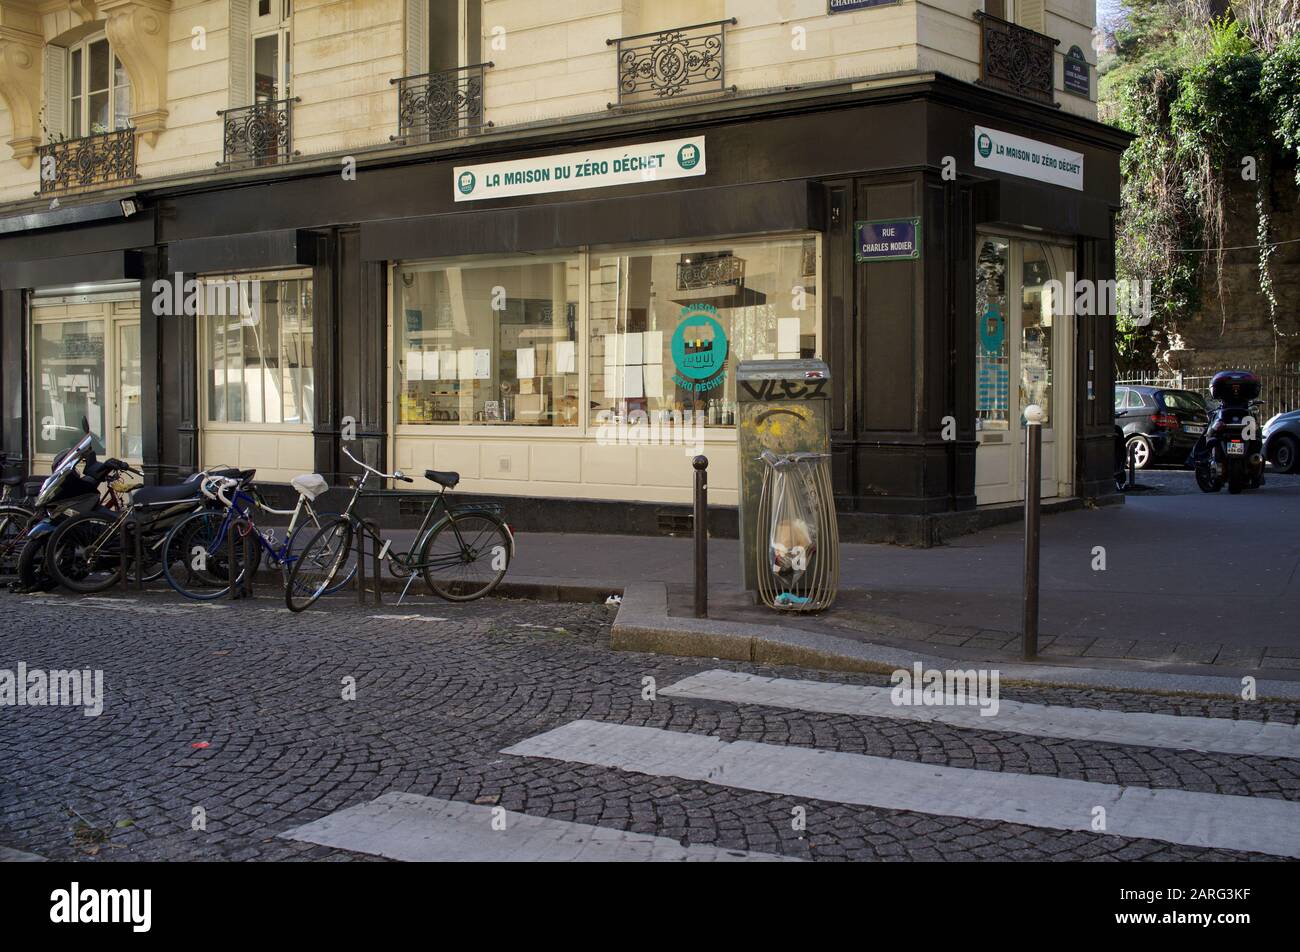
(463, 555)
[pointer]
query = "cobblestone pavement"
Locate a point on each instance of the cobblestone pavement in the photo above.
(436, 703)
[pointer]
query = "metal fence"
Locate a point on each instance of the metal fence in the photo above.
(1281, 382)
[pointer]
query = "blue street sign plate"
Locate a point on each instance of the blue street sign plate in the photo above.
(897, 239)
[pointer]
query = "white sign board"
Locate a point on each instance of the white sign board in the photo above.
(647, 162)
(1029, 158)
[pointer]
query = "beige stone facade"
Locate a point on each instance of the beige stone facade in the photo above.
(551, 61)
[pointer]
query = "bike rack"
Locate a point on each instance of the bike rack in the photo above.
(138, 550)
(361, 564)
(243, 586)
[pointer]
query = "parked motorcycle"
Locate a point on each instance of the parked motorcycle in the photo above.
(64, 493)
(1231, 450)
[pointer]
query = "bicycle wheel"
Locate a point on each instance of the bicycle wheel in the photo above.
(14, 521)
(196, 557)
(465, 556)
(298, 541)
(318, 564)
(84, 554)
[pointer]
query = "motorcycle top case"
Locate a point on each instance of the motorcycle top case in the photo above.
(1235, 385)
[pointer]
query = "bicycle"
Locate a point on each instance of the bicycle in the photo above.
(84, 554)
(196, 551)
(465, 540)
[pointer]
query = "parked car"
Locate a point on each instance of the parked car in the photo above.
(1160, 425)
(1282, 441)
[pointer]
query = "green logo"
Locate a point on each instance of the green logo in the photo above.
(466, 182)
(688, 156)
(984, 144)
(699, 343)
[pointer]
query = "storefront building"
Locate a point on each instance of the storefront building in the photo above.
(556, 309)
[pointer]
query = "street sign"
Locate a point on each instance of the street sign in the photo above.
(895, 239)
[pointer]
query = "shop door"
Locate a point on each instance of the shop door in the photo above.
(128, 433)
(86, 364)
(1023, 356)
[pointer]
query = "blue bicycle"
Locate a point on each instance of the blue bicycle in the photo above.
(196, 553)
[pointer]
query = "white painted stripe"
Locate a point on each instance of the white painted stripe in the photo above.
(8, 855)
(1252, 824)
(407, 618)
(418, 829)
(1218, 734)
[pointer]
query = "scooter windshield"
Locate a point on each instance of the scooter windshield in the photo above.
(50, 487)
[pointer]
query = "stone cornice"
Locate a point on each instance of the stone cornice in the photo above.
(137, 30)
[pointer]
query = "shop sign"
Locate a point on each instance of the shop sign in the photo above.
(1029, 158)
(1076, 77)
(699, 348)
(848, 6)
(599, 168)
(895, 239)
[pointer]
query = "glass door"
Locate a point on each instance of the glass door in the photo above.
(128, 433)
(1022, 357)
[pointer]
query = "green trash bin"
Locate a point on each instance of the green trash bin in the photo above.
(784, 409)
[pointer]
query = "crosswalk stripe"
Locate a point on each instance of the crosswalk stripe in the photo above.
(1217, 734)
(1252, 824)
(416, 829)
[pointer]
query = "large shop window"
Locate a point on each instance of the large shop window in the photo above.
(258, 348)
(68, 359)
(488, 342)
(669, 325)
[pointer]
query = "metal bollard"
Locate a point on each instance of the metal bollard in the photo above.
(123, 545)
(1033, 489)
(1132, 465)
(700, 524)
(139, 560)
(361, 569)
(246, 585)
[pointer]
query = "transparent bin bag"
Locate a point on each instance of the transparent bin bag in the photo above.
(792, 532)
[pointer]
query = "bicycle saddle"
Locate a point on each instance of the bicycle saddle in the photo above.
(445, 479)
(14, 480)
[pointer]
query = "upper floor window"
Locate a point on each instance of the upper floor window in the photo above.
(455, 33)
(272, 72)
(99, 91)
(442, 35)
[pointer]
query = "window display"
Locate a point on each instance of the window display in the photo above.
(669, 325)
(491, 342)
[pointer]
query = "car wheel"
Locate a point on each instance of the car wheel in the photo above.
(1286, 454)
(1139, 449)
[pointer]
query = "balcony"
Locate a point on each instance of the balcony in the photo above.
(441, 105)
(260, 134)
(1016, 60)
(106, 158)
(655, 68)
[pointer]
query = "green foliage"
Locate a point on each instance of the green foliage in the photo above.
(1199, 100)
(1279, 92)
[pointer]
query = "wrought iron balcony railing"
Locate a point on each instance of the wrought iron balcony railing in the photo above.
(670, 64)
(441, 105)
(260, 134)
(1016, 60)
(106, 158)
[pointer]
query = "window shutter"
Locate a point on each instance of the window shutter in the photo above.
(56, 92)
(417, 36)
(241, 39)
(1031, 15)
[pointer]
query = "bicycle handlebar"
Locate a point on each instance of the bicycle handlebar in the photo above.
(395, 474)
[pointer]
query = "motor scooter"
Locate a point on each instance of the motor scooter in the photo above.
(1231, 450)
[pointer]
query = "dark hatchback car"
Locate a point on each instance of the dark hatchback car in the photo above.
(1160, 425)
